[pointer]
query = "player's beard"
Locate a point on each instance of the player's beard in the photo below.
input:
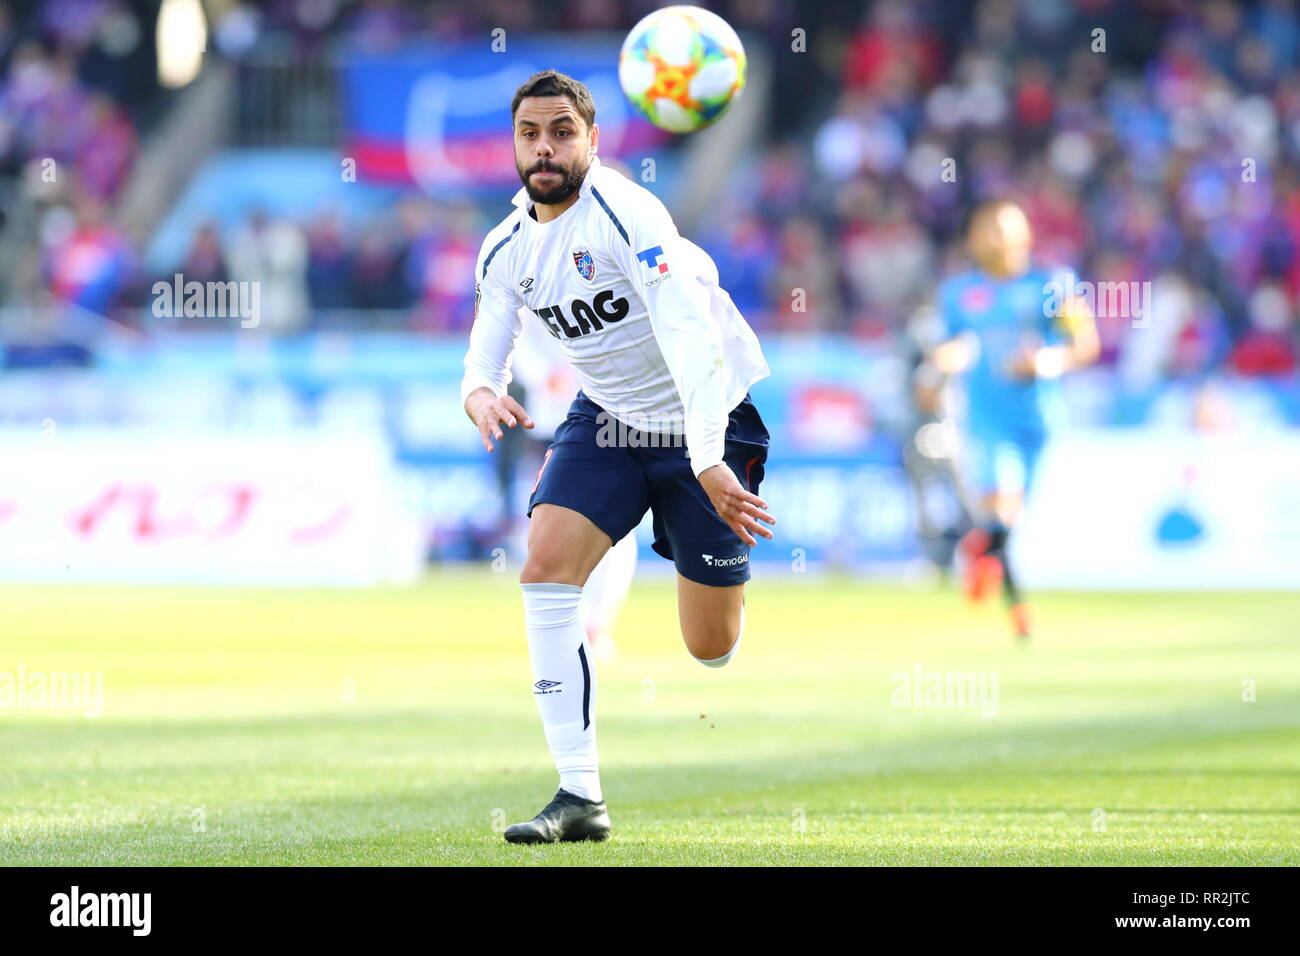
(570, 181)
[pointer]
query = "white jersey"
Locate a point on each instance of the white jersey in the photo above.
(636, 308)
(541, 367)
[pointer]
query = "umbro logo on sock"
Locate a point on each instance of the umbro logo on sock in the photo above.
(547, 684)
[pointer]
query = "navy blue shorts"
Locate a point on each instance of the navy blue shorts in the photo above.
(615, 484)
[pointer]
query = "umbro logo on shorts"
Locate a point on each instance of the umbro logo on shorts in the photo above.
(545, 685)
(713, 562)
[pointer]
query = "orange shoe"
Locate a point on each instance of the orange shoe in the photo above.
(1020, 620)
(982, 570)
(984, 577)
(974, 543)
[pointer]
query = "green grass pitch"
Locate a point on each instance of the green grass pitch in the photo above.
(396, 727)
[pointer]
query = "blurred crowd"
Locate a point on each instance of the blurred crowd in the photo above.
(76, 79)
(1151, 140)
(62, 80)
(388, 24)
(1144, 149)
(413, 260)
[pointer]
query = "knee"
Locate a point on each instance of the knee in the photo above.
(715, 645)
(547, 566)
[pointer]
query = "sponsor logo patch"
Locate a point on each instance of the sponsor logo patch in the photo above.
(651, 258)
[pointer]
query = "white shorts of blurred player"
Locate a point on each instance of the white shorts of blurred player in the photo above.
(604, 593)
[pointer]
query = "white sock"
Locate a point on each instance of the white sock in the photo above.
(719, 661)
(564, 683)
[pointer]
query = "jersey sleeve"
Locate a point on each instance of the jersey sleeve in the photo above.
(496, 324)
(658, 263)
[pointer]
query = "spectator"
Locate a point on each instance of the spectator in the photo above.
(92, 264)
(273, 254)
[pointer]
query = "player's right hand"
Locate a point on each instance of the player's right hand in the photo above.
(740, 509)
(489, 413)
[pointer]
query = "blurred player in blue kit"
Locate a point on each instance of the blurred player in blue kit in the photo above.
(1013, 334)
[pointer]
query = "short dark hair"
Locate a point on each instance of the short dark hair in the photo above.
(554, 83)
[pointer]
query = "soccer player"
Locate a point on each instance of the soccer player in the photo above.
(1014, 333)
(932, 454)
(663, 421)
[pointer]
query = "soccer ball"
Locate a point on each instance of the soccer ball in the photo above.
(681, 67)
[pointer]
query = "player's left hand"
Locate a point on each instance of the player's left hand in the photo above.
(1021, 364)
(741, 510)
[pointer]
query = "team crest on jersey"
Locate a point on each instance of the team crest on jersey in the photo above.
(586, 266)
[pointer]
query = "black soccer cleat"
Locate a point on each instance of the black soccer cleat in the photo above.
(566, 818)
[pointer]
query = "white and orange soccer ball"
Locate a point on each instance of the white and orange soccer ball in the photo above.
(681, 67)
